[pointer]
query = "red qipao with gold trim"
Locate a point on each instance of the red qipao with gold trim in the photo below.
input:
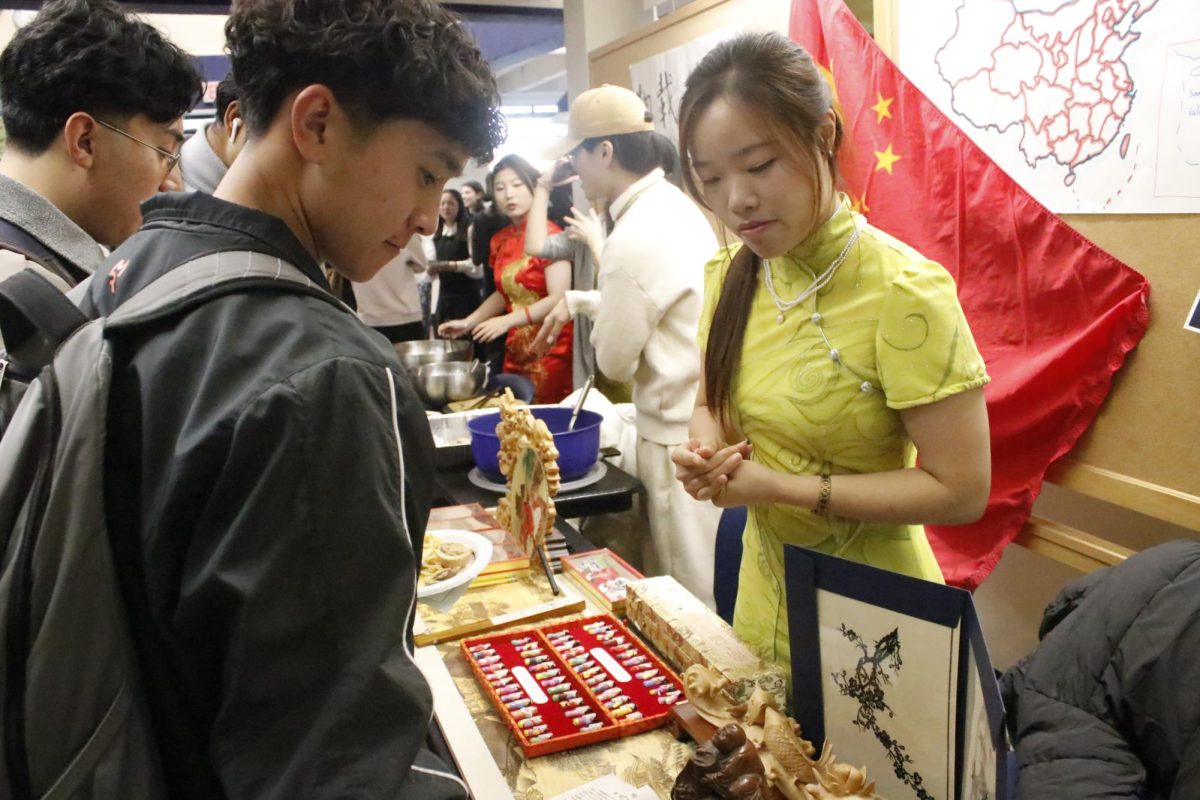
(521, 280)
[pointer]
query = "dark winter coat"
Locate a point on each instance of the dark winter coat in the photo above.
(1108, 706)
(268, 481)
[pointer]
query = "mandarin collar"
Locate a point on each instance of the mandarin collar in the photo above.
(815, 253)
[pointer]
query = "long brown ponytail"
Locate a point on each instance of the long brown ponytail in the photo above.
(776, 81)
(723, 354)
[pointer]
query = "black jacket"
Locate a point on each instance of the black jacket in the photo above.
(1108, 706)
(268, 482)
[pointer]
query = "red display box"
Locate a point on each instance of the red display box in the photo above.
(573, 683)
(603, 576)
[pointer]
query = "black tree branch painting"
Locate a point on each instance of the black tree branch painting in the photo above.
(866, 687)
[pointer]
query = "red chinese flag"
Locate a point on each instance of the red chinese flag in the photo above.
(1053, 314)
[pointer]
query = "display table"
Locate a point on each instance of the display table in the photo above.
(653, 758)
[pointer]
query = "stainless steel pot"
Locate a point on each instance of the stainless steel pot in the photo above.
(439, 384)
(432, 351)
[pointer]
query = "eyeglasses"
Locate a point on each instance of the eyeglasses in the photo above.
(171, 158)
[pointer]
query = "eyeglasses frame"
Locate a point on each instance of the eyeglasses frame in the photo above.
(172, 158)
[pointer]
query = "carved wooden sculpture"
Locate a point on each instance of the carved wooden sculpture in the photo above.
(528, 460)
(788, 767)
(708, 693)
(727, 766)
(526, 510)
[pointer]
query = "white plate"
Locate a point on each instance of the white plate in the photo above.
(598, 470)
(483, 554)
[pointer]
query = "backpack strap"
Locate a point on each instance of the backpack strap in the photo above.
(209, 275)
(29, 303)
(35, 316)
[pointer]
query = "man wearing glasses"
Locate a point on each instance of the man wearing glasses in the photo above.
(93, 100)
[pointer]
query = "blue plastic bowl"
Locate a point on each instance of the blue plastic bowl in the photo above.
(577, 449)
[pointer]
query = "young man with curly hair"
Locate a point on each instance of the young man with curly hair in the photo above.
(93, 100)
(268, 467)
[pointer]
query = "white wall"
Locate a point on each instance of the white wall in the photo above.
(198, 34)
(590, 24)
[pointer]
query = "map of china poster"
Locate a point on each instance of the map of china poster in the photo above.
(1092, 105)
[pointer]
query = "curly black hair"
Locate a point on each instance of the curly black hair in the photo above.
(92, 56)
(383, 60)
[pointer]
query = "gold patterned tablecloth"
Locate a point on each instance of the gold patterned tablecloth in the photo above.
(653, 758)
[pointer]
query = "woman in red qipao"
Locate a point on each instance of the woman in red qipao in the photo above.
(527, 288)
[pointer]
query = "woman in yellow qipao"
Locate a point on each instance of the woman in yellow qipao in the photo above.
(832, 352)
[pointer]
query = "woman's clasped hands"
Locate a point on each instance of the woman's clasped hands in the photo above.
(723, 474)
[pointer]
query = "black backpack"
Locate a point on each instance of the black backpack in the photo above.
(75, 724)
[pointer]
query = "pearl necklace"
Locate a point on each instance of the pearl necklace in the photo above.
(819, 283)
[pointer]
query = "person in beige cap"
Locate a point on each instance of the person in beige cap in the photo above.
(647, 310)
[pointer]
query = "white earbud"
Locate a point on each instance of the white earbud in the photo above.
(233, 129)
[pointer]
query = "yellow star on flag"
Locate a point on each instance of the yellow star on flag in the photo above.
(859, 204)
(886, 159)
(882, 108)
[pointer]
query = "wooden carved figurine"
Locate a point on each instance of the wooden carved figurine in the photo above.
(787, 763)
(787, 757)
(707, 692)
(727, 766)
(841, 781)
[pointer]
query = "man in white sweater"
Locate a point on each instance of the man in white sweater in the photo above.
(646, 311)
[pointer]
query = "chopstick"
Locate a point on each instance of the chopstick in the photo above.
(481, 402)
(541, 551)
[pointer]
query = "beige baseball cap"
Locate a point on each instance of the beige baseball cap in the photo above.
(606, 111)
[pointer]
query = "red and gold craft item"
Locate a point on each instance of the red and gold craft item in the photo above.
(573, 683)
(602, 575)
(528, 460)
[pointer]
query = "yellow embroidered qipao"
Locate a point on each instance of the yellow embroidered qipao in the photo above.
(901, 340)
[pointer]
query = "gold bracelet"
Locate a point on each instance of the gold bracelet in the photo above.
(822, 507)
